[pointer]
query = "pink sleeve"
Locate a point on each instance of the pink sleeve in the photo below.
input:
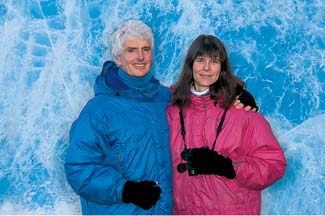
(263, 162)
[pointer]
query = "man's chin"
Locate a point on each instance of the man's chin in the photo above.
(140, 73)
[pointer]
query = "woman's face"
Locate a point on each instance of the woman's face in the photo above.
(206, 71)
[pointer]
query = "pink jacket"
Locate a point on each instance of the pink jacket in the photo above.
(246, 138)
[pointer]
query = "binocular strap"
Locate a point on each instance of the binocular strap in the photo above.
(183, 131)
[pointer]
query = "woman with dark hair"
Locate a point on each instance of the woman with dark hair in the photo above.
(229, 154)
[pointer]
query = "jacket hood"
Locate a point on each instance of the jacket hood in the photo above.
(109, 82)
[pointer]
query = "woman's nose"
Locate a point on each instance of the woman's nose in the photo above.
(206, 65)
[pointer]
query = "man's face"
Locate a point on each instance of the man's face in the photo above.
(136, 57)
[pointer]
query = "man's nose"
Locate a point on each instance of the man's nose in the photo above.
(140, 55)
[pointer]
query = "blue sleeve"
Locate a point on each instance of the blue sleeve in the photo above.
(85, 168)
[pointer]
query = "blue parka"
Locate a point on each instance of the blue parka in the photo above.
(121, 134)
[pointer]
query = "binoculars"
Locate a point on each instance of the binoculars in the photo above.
(182, 167)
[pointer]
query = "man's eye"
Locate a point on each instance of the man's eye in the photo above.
(147, 49)
(130, 50)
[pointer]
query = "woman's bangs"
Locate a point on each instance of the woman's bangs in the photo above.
(210, 50)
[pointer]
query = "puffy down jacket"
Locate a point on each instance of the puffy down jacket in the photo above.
(246, 138)
(121, 134)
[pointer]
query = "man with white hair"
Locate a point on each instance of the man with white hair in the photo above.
(119, 157)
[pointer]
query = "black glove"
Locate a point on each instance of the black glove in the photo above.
(144, 194)
(247, 99)
(206, 161)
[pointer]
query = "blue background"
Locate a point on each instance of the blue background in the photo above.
(51, 52)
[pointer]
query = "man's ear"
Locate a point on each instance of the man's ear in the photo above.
(118, 60)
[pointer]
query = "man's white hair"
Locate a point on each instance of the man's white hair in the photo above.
(132, 29)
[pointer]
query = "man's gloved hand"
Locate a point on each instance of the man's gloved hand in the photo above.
(144, 194)
(206, 161)
(247, 100)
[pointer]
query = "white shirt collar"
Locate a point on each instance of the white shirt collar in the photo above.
(199, 93)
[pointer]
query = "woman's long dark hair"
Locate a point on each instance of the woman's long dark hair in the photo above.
(224, 89)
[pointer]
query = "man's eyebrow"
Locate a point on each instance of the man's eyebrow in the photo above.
(130, 47)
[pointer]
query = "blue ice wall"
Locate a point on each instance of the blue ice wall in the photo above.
(52, 50)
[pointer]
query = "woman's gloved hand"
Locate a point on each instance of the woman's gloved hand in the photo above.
(206, 161)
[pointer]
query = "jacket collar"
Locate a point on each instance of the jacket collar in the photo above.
(109, 82)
